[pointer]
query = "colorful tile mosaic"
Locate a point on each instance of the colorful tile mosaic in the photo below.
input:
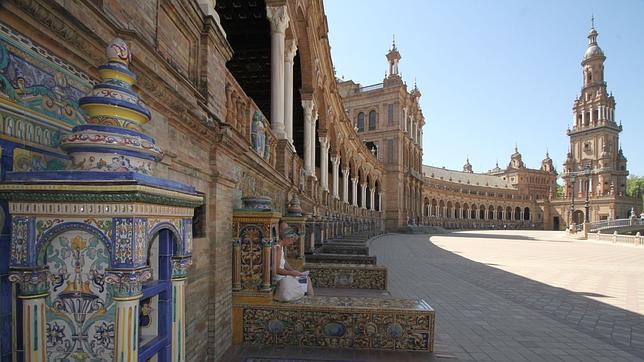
(123, 232)
(360, 323)
(21, 231)
(251, 238)
(38, 81)
(79, 309)
(358, 276)
(140, 241)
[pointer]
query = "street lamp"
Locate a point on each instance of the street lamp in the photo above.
(572, 202)
(586, 204)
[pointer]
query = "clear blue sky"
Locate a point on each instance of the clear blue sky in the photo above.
(493, 73)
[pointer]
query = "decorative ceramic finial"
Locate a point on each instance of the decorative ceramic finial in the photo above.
(118, 51)
(112, 140)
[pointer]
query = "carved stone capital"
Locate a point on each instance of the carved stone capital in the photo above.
(278, 16)
(289, 50)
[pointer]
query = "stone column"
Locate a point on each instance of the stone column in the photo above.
(279, 19)
(314, 120)
(364, 195)
(34, 289)
(354, 183)
(345, 185)
(324, 162)
(404, 120)
(309, 146)
(291, 48)
(373, 199)
(335, 161)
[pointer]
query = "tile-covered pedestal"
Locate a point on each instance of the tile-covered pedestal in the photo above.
(255, 231)
(92, 243)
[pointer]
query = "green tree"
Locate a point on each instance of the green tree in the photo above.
(559, 191)
(635, 186)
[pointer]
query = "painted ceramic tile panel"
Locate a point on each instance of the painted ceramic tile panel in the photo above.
(80, 311)
(33, 78)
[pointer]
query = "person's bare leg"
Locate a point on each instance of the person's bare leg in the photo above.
(309, 287)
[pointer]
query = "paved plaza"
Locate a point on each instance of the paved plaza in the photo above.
(522, 295)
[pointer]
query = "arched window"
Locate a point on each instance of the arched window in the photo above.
(372, 120)
(360, 124)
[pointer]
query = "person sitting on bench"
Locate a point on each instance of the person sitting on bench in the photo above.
(287, 237)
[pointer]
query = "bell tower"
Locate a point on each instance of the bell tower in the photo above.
(594, 138)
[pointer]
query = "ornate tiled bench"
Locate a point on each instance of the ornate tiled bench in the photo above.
(340, 259)
(340, 322)
(357, 276)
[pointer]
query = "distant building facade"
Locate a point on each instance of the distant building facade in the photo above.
(389, 120)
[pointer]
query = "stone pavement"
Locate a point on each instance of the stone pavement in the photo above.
(522, 295)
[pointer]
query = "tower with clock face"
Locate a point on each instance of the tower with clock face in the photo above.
(595, 153)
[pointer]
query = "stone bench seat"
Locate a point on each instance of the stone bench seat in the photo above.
(357, 276)
(340, 259)
(341, 322)
(348, 241)
(343, 249)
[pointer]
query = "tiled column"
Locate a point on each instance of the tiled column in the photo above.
(309, 146)
(278, 17)
(335, 161)
(178, 320)
(345, 185)
(127, 291)
(34, 289)
(324, 162)
(291, 48)
(354, 183)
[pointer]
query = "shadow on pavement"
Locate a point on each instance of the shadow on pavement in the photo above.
(621, 328)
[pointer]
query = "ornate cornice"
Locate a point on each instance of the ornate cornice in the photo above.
(103, 197)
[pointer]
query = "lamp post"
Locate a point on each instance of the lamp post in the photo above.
(572, 202)
(586, 203)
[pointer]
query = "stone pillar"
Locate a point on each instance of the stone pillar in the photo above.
(335, 161)
(345, 185)
(379, 201)
(373, 199)
(324, 162)
(309, 146)
(314, 120)
(34, 290)
(354, 183)
(278, 17)
(289, 53)
(364, 195)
